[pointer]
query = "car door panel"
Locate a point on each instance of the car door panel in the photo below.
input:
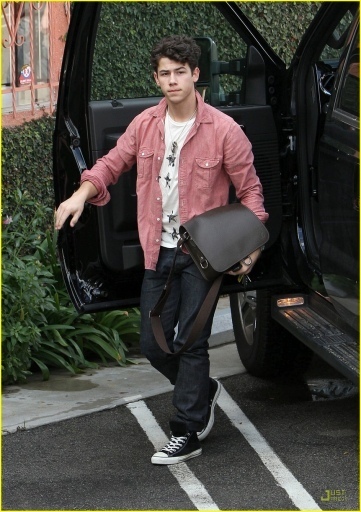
(108, 119)
(339, 195)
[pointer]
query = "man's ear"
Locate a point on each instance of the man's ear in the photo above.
(196, 74)
(155, 74)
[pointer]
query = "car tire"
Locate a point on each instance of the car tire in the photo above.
(265, 348)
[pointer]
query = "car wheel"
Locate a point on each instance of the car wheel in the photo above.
(266, 349)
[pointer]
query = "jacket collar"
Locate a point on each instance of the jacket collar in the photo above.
(203, 115)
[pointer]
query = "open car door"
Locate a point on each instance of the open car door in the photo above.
(101, 257)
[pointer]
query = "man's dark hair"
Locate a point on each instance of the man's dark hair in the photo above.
(181, 49)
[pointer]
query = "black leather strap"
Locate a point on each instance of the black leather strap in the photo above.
(199, 322)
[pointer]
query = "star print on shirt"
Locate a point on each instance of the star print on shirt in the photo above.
(172, 217)
(171, 160)
(175, 235)
(168, 179)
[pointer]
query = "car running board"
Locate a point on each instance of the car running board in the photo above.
(314, 326)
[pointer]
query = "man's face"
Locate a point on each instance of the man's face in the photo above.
(175, 79)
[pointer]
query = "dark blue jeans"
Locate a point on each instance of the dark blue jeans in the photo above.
(189, 372)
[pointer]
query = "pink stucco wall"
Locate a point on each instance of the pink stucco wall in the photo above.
(58, 31)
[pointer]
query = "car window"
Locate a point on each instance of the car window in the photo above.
(335, 45)
(331, 55)
(348, 100)
(128, 30)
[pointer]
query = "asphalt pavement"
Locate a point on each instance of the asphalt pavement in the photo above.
(84, 442)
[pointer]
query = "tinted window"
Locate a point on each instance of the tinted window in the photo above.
(349, 95)
(335, 45)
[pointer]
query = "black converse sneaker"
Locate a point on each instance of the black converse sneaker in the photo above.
(215, 388)
(179, 449)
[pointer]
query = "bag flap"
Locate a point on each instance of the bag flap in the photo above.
(227, 234)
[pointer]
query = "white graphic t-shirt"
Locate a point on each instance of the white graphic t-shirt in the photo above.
(175, 135)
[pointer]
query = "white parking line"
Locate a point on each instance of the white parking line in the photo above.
(186, 479)
(275, 466)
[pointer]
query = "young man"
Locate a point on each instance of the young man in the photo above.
(187, 153)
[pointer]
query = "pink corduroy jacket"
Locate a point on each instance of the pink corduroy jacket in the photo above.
(215, 153)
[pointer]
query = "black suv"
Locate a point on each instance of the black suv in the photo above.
(303, 123)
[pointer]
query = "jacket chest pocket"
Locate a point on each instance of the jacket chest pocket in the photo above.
(145, 162)
(206, 171)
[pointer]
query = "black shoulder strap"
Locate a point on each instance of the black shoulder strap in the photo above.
(200, 320)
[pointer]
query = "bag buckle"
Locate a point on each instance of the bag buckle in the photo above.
(203, 263)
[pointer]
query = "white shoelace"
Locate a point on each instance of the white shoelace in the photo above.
(174, 444)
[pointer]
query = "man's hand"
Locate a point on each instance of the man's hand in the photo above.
(246, 264)
(74, 206)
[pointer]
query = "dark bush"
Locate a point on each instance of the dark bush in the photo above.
(27, 166)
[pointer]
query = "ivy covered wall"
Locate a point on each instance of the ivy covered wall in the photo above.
(128, 30)
(26, 157)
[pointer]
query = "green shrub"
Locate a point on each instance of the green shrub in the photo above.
(25, 289)
(40, 327)
(26, 164)
(282, 24)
